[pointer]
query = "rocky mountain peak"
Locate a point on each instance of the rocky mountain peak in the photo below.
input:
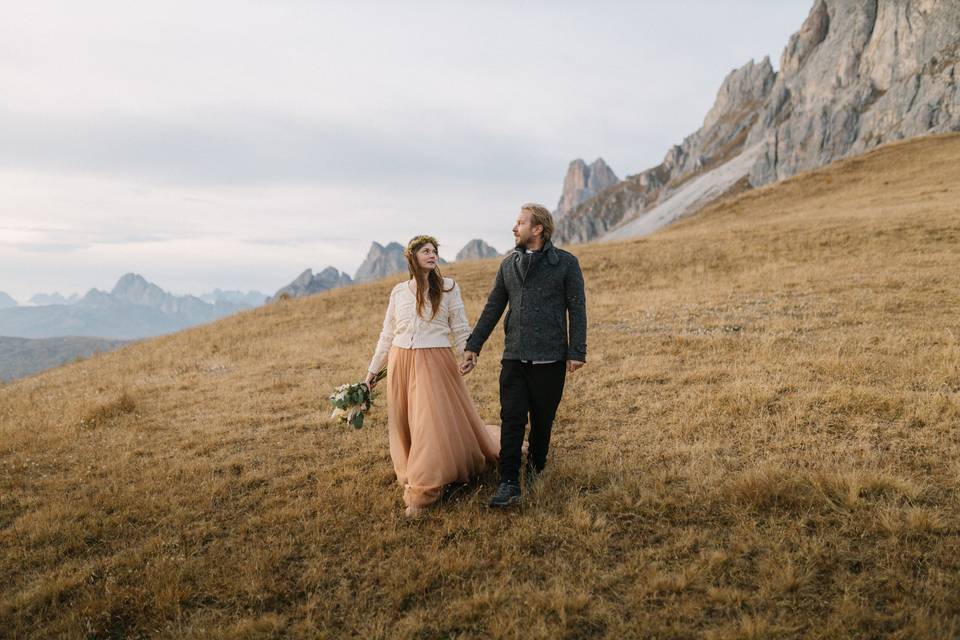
(135, 289)
(381, 261)
(582, 182)
(814, 31)
(476, 249)
(304, 279)
(6, 301)
(331, 278)
(743, 89)
(308, 283)
(856, 75)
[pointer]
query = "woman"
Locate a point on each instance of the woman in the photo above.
(436, 434)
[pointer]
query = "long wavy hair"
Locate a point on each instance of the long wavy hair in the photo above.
(435, 288)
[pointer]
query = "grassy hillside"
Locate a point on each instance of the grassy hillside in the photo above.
(764, 443)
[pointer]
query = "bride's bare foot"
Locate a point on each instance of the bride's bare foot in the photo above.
(413, 511)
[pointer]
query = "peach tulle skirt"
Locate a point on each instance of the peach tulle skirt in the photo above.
(436, 434)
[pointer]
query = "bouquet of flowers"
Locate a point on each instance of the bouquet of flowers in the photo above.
(352, 401)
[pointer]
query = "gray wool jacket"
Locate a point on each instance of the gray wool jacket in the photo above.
(536, 325)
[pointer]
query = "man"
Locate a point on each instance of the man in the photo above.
(543, 286)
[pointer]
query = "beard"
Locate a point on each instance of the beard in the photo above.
(521, 244)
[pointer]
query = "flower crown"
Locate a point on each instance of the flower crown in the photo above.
(417, 242)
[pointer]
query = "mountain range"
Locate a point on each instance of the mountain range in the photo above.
(134, 308)
(381, 261)
(308, 283)
(856, 75)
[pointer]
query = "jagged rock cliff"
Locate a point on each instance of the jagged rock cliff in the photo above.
(582, 182)
(856, 75)
(307, 283)
(476, 249)
(859, 74)
(720, 139)
(381, 261)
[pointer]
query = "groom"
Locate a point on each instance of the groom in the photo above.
(543, 286)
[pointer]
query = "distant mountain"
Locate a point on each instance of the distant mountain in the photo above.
(382, 261)
(476, 249)
(42, 299)
(250, 298)
(135, 308)
(307, 283)
(6, 301)
(582, 182)
(21, 357)
(856, 75)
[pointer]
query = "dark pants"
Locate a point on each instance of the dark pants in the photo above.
(533, 389)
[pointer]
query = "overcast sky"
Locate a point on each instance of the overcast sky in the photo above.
(233, 144)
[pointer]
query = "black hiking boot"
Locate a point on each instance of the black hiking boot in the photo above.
(507, 494)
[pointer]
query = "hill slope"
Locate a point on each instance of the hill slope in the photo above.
(763, 444)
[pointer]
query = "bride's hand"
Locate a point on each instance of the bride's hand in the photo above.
(469, 362)
(370, 383)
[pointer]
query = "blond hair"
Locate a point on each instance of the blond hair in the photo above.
(540, 215)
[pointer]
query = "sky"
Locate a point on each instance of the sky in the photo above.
(234, 144)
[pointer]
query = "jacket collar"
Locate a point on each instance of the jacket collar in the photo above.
(549, 253)
(548, 250)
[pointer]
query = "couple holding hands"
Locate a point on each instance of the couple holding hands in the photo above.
(436, 435)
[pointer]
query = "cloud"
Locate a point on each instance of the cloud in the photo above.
(214, 144)
(40, 239)
(211, 149)
(296, 241)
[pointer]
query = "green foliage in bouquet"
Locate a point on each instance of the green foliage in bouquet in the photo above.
(352, 401)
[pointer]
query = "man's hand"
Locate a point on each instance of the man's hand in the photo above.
(573, 365)
(469, 362)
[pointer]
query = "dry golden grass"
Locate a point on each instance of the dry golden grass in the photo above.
(764, 444)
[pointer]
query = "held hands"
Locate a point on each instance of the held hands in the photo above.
(469, 362)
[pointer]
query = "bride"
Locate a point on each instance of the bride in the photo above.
(436, 434)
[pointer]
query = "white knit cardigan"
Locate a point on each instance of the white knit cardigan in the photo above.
(404, 328)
